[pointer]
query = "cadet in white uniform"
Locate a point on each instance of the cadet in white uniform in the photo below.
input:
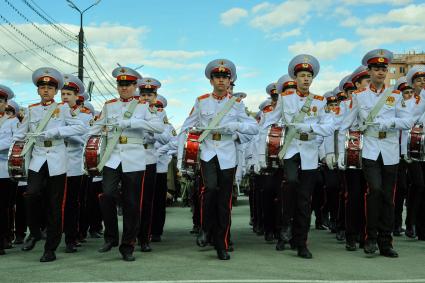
(48, 165)
(73, 88)
(8, 126)
(302, 150)
(148, 93)
(130, 119)
(218, 151)
(380, 150)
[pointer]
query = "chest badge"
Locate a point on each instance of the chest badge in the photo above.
(390, 101)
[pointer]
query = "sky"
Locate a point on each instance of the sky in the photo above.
(173, 41)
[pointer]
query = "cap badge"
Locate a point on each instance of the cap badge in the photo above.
(381, 60)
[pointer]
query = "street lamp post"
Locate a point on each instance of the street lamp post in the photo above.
(81, 37)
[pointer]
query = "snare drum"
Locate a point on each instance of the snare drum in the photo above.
(17, 164)
(274, 142)
(93, 152)
(191, 154)
(353, 150)
(415, 143)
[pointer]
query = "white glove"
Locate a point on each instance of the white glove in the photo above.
(385, 124)
(124, 124)
(231, 127)
(257, 168)
(330, 160)
(341, 160)
(50, 134)
(407, 159)
(303, 128)
(179, 164)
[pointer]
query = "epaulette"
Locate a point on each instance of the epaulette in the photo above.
(112, 100)
(289, 92)
(35, 104)
(268, 108)
(85, 110)
(318, 97)
(203, 96)
(359, 90)
(396, 91)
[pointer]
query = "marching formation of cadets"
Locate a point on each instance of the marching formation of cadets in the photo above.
(361, 204)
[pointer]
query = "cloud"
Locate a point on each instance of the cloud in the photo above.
(351, 22)
(265, 6)
(327, 80)
(375, 2)
(323, 49)
(233, 16)
(412, 14)
(178, 54)
(285, 34)
(286, 13)
(388, 35)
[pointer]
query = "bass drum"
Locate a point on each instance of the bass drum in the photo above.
(93, 152)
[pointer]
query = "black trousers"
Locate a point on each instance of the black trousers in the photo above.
(381, 181)
(53, 190)
(7, 190)
(217, 201)
(196, 201)
(258, 203)
(354, 184)
(148, 190)
(297, 198)
(83, 212)
(94, 190)
(159, 204)
(20, 215)
(131, 183)
(72, 208)
(415, 192)
(319, 199)
(272, 201)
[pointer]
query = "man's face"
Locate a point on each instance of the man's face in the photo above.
(274, 97)
(47, 92)
(378, 74)
(3, 104)
(418, 84)
(148, 97)
(362, 83)
(126, 89)
(69, 96)
(408, 93)
(304, 80)
(220, 82)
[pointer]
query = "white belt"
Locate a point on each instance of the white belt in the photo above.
(49, 143)
(379, 134)
(219, 137)
(129, 140)
(305, 136)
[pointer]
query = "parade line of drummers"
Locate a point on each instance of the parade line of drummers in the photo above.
(352, 155)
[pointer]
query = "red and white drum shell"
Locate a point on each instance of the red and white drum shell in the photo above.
(191, 154)
(17, 164)
(274, 141)
(416, 143)
(93, 152)
(353, 150)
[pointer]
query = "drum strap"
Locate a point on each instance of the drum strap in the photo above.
(297, 119)
(375, 110)
(114, 140)
(31, 141)
(216, 120)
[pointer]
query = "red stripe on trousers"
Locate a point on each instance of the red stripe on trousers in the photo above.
(63, 203)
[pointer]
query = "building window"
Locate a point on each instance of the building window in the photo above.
(392, 81)
(392, 70)
(402, 70)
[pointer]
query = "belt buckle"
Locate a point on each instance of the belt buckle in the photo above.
(304, 136)
(216, 136)
(48, 143)
(123, 139)
(382, 135)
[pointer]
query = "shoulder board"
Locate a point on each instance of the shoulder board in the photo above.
(85, 110)
(359, 90)
(112, 100)
(204, 96)
(35, 104)
(396, 91)
(289, 92)
(318, 97)
(267, 109)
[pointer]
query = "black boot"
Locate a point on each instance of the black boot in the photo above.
(48, 256)
(30, 243)
(202, 239)
(304, 252)
(223, 255)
